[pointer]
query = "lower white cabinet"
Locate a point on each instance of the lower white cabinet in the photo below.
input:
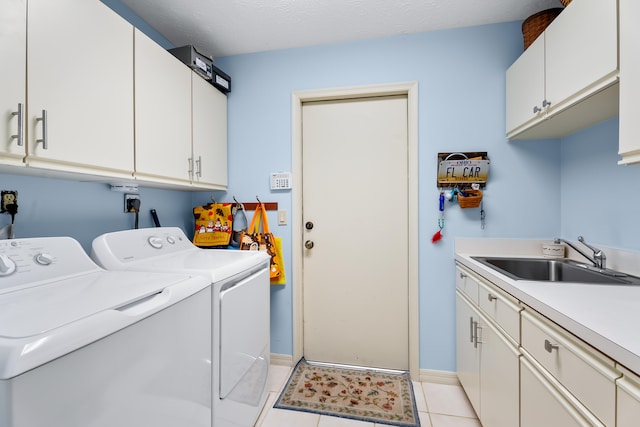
(499, 378)
(487, 357)
(580, 372)
(542, 404)
(467, 351)
(520, 369)
(628, 399)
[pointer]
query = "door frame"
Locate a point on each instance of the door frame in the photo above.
(410, 89)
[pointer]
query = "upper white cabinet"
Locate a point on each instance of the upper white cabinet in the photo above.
(566, 80)
(80, 88)
(76, 57)
(181, 122)
(629, 81)
(525, 87)
(163, 114)
(13, 42)
(209, 109)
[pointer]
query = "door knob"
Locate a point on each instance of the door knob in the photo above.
(308, 244)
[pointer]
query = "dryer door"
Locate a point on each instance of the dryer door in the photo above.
(244, 338)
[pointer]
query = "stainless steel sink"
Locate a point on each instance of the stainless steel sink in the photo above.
(556, 270)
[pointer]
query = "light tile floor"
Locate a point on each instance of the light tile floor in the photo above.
(439, 405)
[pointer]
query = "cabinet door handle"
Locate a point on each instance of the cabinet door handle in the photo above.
(471, 329)
(44, 140)
(462, 275)
(536, 109)
(545, 103)
(550, 347)
(19, 136)
(199, 168)
(491, 297)
(190, 161)
(476, 337)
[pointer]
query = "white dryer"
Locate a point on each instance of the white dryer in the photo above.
(240, 309)
(85, 347)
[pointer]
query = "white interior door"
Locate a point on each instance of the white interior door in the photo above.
(355, 214)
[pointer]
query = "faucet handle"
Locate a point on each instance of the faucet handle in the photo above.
(581, 240)
(598, 255)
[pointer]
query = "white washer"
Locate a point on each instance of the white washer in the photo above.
(240, 309)
(85, 347)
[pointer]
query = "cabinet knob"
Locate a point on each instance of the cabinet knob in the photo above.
(309, 244)
(550, 347)
(491, 297)
(536, 109)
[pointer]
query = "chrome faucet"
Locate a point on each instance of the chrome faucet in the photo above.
(599, 259)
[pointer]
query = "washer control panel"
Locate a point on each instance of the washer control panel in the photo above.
(29, 262)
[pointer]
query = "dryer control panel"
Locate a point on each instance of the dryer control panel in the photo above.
(119, 249)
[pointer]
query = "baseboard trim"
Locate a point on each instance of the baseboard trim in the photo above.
(426, 375)
(281, 359)
(438, 377)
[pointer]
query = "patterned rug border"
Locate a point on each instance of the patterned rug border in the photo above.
(278, 404)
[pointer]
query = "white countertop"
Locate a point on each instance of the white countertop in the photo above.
(605, 316)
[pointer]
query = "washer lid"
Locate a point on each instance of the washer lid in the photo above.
(45, 322)
(43, 308)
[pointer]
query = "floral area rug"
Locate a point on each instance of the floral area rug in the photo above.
(360, 394)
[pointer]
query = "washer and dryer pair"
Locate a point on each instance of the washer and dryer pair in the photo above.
(240, 310)
(165, 335)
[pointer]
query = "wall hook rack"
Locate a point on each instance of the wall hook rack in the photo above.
(461, 169)
(270, 206)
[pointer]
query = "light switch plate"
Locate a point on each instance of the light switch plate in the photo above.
(282, 217)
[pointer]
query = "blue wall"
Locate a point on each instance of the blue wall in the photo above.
(83, 210)
(461, 108)
(599, 198)
(537, 189)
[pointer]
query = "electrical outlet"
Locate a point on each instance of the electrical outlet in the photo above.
(128, 199)
(7, 198)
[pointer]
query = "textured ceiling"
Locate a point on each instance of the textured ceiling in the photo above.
(231, 27)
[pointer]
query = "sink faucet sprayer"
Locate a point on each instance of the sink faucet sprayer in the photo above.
(599, 259)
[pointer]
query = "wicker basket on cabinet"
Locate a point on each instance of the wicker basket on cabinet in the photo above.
(534, 25)
(565, 3)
